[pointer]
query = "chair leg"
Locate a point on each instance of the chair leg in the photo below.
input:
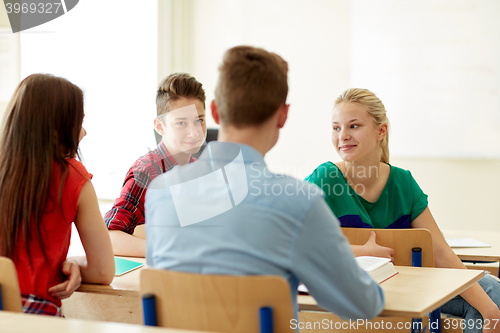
(149, 310)
(1, 302)
(266, 320)
(416, 261)
(416, 325)
(435, 321)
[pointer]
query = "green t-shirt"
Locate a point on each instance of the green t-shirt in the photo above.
(400, 202)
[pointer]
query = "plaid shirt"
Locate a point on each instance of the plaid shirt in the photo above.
(36, 305)
(128, 209)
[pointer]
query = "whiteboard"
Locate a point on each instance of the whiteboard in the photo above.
(436, 67)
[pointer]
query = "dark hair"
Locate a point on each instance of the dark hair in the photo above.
(176, 86)
(251, 87)
(41, 127)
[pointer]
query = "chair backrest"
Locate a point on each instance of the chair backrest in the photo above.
(217, 303)
(401, 240)
(10, 294)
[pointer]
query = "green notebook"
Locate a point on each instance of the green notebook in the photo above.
(123, 266)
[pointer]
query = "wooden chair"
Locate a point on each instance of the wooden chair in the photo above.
(401, 240)
(10, 296)
(217, 303)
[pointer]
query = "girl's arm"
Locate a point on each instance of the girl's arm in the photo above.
(371, 248)
(444, 257)
(99, 266)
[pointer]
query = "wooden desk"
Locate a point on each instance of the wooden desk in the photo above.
(415, 291)
(125, 285)
(11, 322)
(118, 302)
(477, 253)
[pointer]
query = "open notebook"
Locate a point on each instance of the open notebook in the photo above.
(380, 269)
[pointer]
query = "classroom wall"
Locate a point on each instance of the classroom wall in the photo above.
(312, 36)
(316, 38)
(331, 45)
(113, 59)
(463, 194)
(9, 61)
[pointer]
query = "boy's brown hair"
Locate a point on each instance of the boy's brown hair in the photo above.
(176, 86)
(251, 87)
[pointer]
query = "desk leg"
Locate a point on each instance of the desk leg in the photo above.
(416, 325)
(435, 321)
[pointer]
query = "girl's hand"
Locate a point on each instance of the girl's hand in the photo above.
(64, 290)
(371, 248)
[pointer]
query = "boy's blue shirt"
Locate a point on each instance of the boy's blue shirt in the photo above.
(281, 226)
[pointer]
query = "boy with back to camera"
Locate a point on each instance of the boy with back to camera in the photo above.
(219, 216)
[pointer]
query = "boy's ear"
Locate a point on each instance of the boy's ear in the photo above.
(159, 127)
(283, 115)
(215, 112)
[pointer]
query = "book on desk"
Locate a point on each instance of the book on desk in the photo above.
(465, 243)
(123, 266)
(380, 269)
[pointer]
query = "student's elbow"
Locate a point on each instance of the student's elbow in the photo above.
(108, 274)
(373, 305)
(369, 312)
(108, 277)
(105, 275)
(101, 273)
(362, 302)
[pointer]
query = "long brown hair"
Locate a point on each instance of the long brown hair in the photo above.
(41, 127)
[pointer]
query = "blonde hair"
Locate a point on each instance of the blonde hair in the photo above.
(375, 108)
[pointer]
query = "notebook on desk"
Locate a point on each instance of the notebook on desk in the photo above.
(380, 269)
(123, 266)
(465, 242)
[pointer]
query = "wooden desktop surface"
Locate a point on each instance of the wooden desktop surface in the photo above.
(415, 291)
(125, 285)
(12, 322)
(118, 302)
(477, 253)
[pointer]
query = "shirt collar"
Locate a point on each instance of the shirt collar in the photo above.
(165, 155)
(249, 153)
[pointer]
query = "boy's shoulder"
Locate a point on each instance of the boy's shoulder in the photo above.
(153, 162)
